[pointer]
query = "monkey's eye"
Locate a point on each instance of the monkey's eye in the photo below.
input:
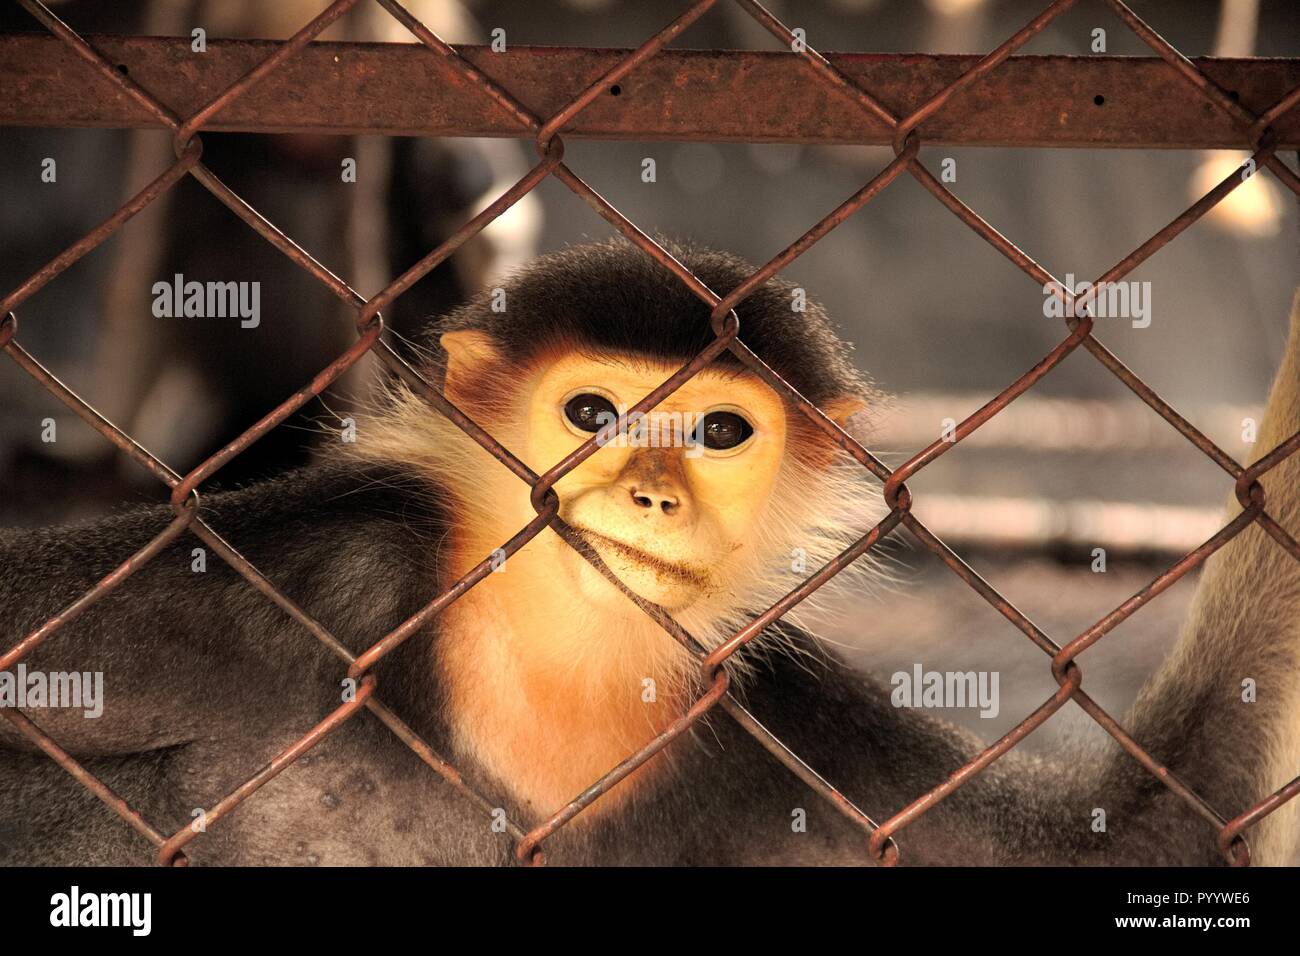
(590, 412)
(722, 430)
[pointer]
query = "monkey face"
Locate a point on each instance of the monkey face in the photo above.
(696, 507)
(672, 501)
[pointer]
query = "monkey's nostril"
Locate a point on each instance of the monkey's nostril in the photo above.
(667, 503)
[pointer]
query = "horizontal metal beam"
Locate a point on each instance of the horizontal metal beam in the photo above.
(737, 96)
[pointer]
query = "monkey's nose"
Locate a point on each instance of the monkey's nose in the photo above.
(646, 498)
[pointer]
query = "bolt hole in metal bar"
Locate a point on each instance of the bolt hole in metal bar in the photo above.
(1227, 122)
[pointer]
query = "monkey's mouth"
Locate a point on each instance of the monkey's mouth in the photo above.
(680, 572)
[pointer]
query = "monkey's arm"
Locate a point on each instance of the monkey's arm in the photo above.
(843, 724)
(186, 652)
(1244, 625)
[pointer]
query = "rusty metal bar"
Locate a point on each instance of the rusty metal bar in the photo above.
(404, 89)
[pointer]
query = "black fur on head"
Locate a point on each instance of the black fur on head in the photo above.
(613, 297)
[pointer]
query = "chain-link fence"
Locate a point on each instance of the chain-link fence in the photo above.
(1256, 131)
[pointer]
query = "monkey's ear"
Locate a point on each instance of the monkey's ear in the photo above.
(469, 347)
(842, 409)
(469, 353)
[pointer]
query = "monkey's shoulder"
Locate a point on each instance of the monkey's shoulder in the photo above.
(291, 510)
(354, 545)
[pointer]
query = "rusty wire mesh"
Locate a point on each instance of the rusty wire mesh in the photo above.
(546, 133)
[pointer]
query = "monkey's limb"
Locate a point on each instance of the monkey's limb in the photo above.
(1195, 715)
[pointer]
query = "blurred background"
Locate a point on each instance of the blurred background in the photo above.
(939, 319)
